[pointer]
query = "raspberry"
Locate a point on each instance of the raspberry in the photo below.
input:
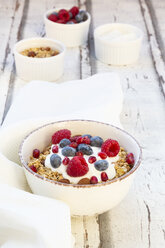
(33, 168)
(65, 160)
(53, 18)
(61, 134)
(102, 155)
(73, 144)
(73, 139)
(36, 153)
(130, 158)
(93, 180)
(63, 14)
(61, 21)
(104, 176)
(83, 140)
(92, 159)
(77, 167)
(55, 149)
(74, 10)
(110, 147)
(79, 154)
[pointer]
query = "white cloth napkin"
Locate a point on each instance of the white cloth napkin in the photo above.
(24, 214)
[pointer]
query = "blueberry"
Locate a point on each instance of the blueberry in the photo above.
(85, 149)
(96, 141)
(55, 13)
(68, 151)
(64, 142)
(83, 14)
(79, 18)
(70, 22)
(71, 15)
(88, 135)
(101, 165)
(55, 160)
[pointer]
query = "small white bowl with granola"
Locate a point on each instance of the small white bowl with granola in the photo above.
(87, 164)
(39, 59)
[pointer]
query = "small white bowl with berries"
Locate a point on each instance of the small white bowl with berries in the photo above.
(71, 26)
(87, 164)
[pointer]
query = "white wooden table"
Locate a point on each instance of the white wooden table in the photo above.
(139, 221)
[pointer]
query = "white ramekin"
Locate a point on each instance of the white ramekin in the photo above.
(48, 69)
(71, 35)
(117, 53)
(82, 199)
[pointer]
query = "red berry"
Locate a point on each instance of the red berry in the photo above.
(110, 147)
(77, 167)
(65, 160)
(63, 14)
(61, 134)
(36, 153)
(61, 21)
(74, 10)
(73, 144)
(33, 168)
(93, 180)
(53, 18)
(104, 176)
(83, 140)
(55, 149)
(130, 158)
(79, 154)
(92, 159)
(73, 139)
(73, 20)
(102, 155)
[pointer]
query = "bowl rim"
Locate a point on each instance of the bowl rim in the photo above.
(62, 24)
(97, 36)
(16, 46)
(134, 168)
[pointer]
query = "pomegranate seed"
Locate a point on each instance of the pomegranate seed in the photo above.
(55, 149)
(83, 140)
(33, 168)
(79, 154)
(36, 153)
(73, 138)
(102, 155)
(92, 159)
(93, 180)
(130, 158)
(73, 144)
(104, 176)
(65, 160)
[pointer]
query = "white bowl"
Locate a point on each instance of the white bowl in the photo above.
(82, 199)
(47, 69)
(71, 35)
(117, 52)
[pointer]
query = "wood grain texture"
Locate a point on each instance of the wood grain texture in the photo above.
(139, 221)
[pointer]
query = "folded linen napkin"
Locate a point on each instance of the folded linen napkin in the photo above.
(96, 98)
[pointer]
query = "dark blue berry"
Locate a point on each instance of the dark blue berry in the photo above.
(68, 151)
(55, 13)
(55, 160)
(71, 15)
(88, 135)
(79, 18)
(70, 22)
(101, 165)
(64, 142)
(83, 15)
(96, 141)
(85, 149)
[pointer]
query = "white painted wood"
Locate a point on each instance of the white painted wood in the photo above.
(139, 221)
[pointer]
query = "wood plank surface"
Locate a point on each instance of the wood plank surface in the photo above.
(139, 221)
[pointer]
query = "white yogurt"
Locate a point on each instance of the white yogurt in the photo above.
(92, 171)
(118, 35)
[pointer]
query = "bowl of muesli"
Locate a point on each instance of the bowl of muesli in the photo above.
(87, 164)
(39, 59)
